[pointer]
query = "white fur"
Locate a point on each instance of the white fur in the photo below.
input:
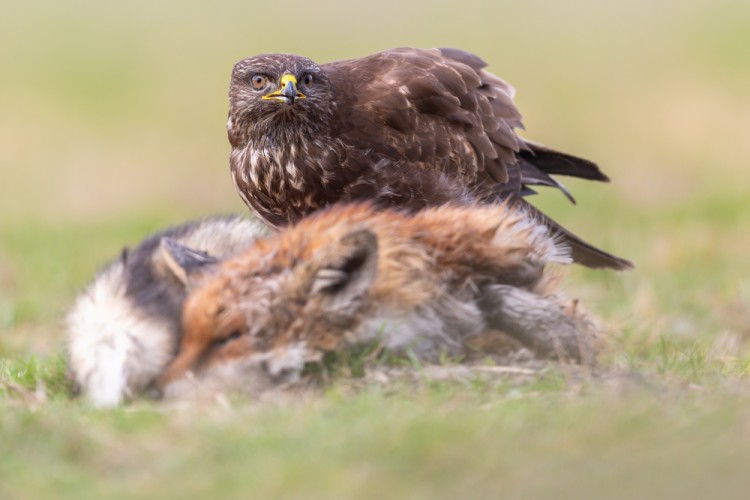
(289, 359)
(114, 350)
(526, 229)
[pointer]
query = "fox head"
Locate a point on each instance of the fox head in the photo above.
(282, 316)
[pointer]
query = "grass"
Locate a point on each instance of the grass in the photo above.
(113, 127)
(531, 442)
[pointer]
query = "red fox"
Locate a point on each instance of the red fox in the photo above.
(124, 328)
(426, 282)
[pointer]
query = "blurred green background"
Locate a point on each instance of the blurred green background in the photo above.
(112, 125)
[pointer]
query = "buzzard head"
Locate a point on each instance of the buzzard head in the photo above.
(275, 96)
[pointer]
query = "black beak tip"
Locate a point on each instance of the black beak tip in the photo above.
(290, 92)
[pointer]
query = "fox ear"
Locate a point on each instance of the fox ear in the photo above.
(348, 268)
(182, 262)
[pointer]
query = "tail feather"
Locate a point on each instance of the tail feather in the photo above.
(554, 162)
(535, 166)
(531, 175)
(582, 252)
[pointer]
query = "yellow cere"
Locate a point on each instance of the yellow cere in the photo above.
(288, 77)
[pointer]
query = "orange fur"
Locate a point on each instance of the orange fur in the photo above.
(432, 268)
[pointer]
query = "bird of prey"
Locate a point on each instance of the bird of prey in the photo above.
(405, 127)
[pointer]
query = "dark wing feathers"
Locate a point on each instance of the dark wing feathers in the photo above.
(505, 137)
(499, 173)
(419, 96)
(473, 61)
(419, 104)
(427, 86)
(451, 80)
(531, 175)
(555, 162)
(422, 106)
(437, 104)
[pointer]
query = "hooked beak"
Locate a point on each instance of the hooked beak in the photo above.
(287, 92)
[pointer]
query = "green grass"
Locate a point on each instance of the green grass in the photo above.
(442, 442)
(112, 126)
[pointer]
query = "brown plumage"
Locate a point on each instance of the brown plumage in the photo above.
(404, 127)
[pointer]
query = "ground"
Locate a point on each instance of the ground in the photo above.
(113, 126)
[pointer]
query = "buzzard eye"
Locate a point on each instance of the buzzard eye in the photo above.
(259, 82)
(307, 79)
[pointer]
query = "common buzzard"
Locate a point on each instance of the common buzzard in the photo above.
(405, 127)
